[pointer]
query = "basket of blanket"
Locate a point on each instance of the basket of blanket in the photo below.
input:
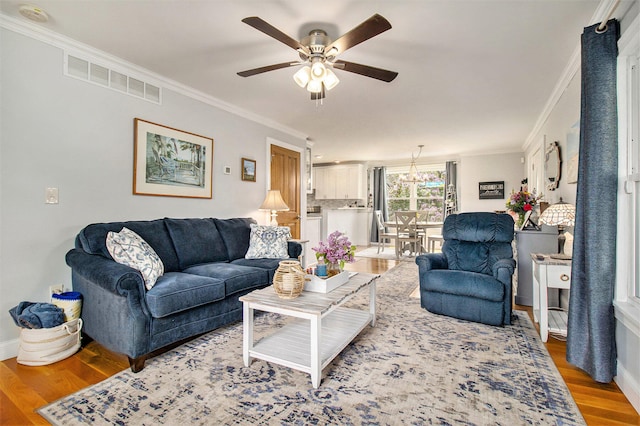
(43, 346)
(288, 280)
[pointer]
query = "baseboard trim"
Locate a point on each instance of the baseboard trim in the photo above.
(9, 349)
(628, 386)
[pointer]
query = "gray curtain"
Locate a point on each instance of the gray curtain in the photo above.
(451, 178)
(379, 198)
(591, 330)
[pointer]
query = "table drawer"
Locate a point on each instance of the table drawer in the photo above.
(558, 276)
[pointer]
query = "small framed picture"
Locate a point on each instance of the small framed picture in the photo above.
(248, 170)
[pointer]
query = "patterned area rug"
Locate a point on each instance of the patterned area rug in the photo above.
(413, 367)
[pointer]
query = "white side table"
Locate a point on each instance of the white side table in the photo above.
(302, 258)
(549, 273)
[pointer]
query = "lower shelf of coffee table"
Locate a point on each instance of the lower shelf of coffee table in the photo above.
(291, 345)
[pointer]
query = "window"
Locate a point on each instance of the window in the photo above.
(628, 243)
(427, 195)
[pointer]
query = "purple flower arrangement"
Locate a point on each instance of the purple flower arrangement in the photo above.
(337, 249)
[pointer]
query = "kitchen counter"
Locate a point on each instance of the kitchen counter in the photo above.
(354, 222)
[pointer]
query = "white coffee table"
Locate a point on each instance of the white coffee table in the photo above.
(325, 327)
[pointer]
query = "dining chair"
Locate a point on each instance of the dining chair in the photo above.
(408, 234)
(383, 235)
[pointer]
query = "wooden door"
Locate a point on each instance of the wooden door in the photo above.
(285, 176)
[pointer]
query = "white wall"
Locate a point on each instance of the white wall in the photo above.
(488, 168)
(61, 132)
(556, 128)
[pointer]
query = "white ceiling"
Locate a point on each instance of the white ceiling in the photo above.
(474, 76)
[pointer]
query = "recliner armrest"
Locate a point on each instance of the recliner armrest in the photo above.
(429, 261)
(503, 270)
(108, 274)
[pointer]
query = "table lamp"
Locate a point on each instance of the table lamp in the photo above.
(274, 202)
(560, 214)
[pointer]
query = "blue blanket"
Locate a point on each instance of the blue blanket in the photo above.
(37, 315)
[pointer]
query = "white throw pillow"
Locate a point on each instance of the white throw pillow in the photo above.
(268, 242)
(130, 249)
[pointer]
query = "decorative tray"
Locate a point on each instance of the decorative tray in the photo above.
(325, 285)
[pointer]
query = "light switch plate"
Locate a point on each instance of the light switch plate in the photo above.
(51, 196)
(227, 170)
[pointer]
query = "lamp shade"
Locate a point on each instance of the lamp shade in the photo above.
(302, 76)
(559, 214)
(274, 201)
(331, 80)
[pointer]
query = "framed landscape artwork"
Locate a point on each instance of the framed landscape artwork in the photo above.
(248, 170)
(171, 162)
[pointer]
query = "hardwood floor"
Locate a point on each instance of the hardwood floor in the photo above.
(23, 389)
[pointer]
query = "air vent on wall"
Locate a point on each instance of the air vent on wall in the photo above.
(102, 76)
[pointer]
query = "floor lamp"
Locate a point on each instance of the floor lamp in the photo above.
(560, 214)
(274, 202)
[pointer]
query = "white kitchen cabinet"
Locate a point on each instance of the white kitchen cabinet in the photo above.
(342, 182)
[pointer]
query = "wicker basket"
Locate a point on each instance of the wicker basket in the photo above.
(288, 280)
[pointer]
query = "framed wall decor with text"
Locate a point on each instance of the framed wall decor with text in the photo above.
(170, 162)
(248, 170)
(491, 190)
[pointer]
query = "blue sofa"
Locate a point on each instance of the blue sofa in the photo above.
(205, 272)
(471, 278)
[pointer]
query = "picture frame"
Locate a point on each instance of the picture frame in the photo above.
(527, 216)
(573, 148)
(171, 163)
(248, 168)
(491, 190)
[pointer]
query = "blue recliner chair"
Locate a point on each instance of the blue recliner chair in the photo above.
(471, 278)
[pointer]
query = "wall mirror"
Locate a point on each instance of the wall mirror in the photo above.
(552, 163)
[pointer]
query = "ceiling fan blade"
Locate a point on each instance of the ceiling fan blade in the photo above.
(262, 25)
(249, 73)
(366, 30)
(366, 70)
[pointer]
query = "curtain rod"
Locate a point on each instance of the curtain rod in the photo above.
(603, 25)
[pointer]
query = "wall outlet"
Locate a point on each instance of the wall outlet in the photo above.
(56, 289)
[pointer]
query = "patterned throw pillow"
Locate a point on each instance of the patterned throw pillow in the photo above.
(130, 249)
(268, 242)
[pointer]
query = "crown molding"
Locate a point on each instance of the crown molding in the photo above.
(52, 38)
(602, 11)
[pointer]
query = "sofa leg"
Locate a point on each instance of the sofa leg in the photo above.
(137, 364)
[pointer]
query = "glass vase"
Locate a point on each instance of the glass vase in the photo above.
(333, 269)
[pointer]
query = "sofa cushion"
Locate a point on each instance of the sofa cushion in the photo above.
(177, 291)
(92, 239)
(269, 265)
(130, 249)
(463, 283)
(196, 241)
(236, 277)
(235, 234)
(268, 242)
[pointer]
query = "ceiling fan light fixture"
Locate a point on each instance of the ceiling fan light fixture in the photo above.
(314, 86)
(330, 80)
(302, 76)
(318, 71)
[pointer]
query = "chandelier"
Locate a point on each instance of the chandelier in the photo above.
(414, 177)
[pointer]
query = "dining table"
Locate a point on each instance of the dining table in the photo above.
(419, 225)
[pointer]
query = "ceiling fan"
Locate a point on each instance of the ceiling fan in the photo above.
(319, 54)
